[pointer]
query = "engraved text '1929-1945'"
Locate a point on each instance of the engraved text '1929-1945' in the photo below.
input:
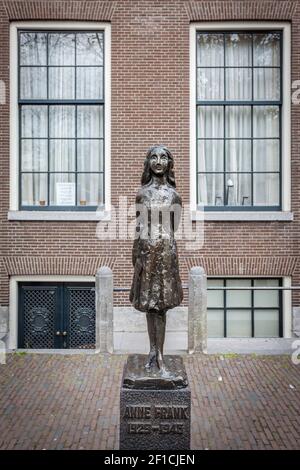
(168, 419)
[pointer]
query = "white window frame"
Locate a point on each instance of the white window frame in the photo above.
(285, 214)
(286, 300)
(14, 212)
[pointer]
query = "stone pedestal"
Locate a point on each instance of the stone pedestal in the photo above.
(155, 407)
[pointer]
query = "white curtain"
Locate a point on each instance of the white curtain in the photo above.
(64, 120)
(238, 120)
(90, 153)
(62, 149)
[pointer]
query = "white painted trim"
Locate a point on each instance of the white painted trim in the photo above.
(13, 124)
(58, 216)
(244, 276)
(14, 132)
(286, 119)
(286, 106)
(249, 216)
(13, 298)
(287, 307)
(107, 115)
(193, 119)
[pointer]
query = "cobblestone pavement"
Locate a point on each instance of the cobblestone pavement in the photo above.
(72, 402)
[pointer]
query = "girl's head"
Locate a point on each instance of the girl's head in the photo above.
(159, 161)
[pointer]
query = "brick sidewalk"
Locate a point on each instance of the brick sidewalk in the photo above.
(72, 402)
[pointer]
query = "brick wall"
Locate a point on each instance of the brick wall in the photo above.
(150, 104)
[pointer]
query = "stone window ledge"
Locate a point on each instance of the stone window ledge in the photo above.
(235, 216)
(60, 216)
(94, 216)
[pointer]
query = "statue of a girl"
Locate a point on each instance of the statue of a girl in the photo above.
(156, 285)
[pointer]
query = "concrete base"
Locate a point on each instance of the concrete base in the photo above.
(154, 419)
(177, 343)
(259, 346)
(130, 331)
(4, 313)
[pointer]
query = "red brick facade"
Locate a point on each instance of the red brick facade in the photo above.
(150, 104)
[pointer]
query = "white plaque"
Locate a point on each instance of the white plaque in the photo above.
(65, 194)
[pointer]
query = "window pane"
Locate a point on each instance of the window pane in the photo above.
(266, 49)
(61, 49)
(210, 155)
(210, 189)
(33, 48)
(62, 189)
(266, 155)
(238, 50)
(266, 84)
(238, 189)
(90, 121)
(238, 323)
(238, 121)
(238, 84)
(215, 298)
(61, 83)
(34, 189)
(266, 323)
(215, 323)
(89, 48)
(34, 121)
(210, 121)
(210, 84)
(238, 155)
(90, 189)
(34, 155)
(89, 83)
(265, 121)
(267, 298)
(62, 155)
(89, 155)
(210, 50)
(238, 298)
(33, 83)
(62, 121)
(266, 189)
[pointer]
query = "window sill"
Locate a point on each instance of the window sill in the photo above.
(243, 216)
(60, 216)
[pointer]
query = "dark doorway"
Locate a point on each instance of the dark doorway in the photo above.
(56, 315)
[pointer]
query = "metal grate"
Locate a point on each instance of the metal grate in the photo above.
(39, 314)
(82, 316)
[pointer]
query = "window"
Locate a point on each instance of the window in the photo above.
(244, 313)
(61, 119)
(239, 119)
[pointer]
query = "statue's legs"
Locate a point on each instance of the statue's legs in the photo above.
(156, 322)
(160, 328)
(152, 339)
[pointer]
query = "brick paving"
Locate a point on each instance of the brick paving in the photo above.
(72, 402)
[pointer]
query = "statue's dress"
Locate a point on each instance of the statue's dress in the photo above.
(156, 282)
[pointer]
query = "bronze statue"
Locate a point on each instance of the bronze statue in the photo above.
(156, 285)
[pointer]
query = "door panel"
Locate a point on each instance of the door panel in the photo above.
(38, 321)
(56, 315)
(80, 303)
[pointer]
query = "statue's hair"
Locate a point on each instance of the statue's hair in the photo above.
(147, 174)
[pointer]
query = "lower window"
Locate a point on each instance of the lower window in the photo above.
(245, 313)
